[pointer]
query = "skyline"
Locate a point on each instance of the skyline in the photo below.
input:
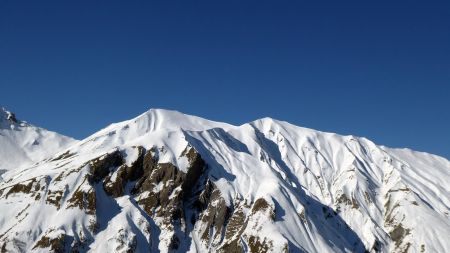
(377, 70)
(237, 125)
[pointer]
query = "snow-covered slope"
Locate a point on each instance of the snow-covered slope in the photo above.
(22, 144)
(170, 182)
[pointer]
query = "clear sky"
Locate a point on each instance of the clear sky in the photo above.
(379, 70)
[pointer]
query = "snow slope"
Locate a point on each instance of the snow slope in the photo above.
(170, 182)
(22, 144)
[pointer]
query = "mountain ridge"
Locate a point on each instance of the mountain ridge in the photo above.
(170, 182)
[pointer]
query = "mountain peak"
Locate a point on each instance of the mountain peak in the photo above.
(155, 119)
(22, 143)
(8, 119)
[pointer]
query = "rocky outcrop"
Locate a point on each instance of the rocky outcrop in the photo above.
(100, 167)
(52, 242)
(84, 200)
(164, 191)
(214, 219)
(233, 228)
(115, 184)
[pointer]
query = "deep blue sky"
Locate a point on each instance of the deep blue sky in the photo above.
(379, 69)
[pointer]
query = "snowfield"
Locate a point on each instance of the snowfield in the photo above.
(169, 182)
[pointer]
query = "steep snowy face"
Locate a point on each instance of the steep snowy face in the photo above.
(22, 144)
(170, 182)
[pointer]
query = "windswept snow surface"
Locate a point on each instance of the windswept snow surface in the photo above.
(265, 186)
(22, 144)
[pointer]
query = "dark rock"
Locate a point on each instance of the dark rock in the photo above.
(100, 167)
(398, 233)
(56, 245)
(124, 175)
(21, 188)
(257, 245)
(83, 200)
(262, 205)
(54, 198)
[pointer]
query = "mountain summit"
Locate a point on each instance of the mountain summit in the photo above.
(169, 182)
(22, 144)
(7, 118)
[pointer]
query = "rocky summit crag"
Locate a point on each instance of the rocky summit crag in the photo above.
(169, 182)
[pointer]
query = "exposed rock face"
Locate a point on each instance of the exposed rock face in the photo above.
(166, 194)
(101, 166)
(214, 219)
(233, 228)
(56, 245)
(84, 200)
(124, 174)
(160, 192)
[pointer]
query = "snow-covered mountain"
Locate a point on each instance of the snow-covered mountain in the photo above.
(22, 144)
(170, 182)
